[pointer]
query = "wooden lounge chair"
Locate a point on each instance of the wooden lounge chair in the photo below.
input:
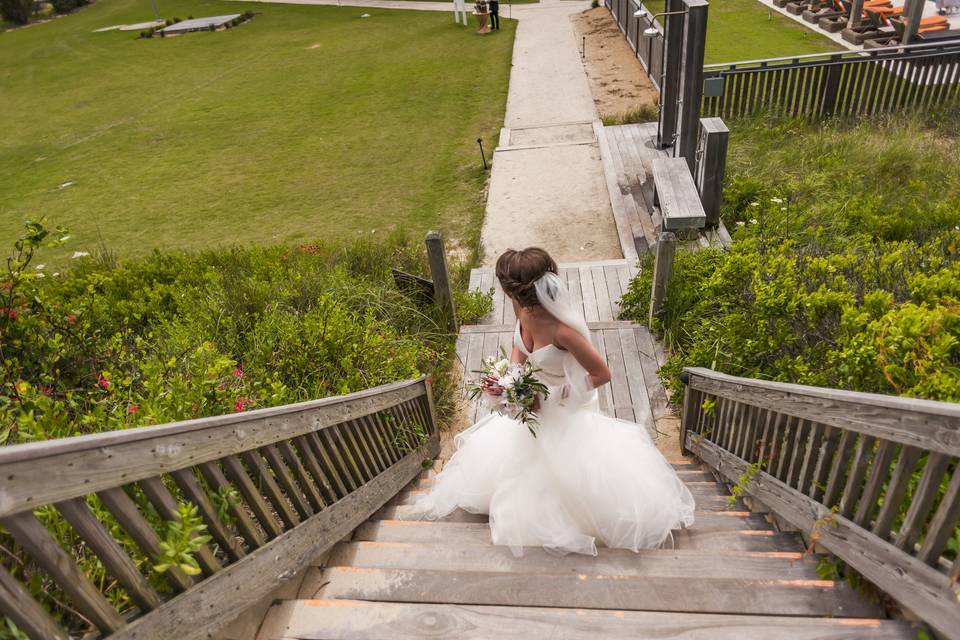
(880, 19)
(840, 21)
(930, 31)
(819, 9)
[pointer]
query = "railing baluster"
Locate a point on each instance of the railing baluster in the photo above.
(896, 490)
(245, 524)
(262, 477)
(785, 452)
(350, 433)
(111, 554)
(168, 508)
(188, 484)
(796, 454)
(308, 484)
(825, 457)
(325, 489)
(238, 476)
(334, 449)
(37, 541)
(810, 458)
(19, 606)
(320, 450)
(854, 485)
(943, 524)
(286, 481)
(879, 470)
(922, 499)
(838, 470)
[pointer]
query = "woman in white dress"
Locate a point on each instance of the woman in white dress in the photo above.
(585, 478)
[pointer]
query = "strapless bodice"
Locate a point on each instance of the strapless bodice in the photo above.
(548, 358)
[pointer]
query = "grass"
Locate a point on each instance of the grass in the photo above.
(306, 122)
(747, 30)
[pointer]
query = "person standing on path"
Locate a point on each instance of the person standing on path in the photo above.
(495, 14)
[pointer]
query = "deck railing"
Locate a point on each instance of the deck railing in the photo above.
(303, 476)
(874, 479)
(648, 50)
(854, 83)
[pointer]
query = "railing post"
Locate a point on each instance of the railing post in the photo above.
(831, 87)
(695, 39)
(711, 165)
(662, 270)
(671, 66)
(689, 411)
(443, 294)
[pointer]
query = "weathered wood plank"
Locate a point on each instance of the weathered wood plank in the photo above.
(896, 490)
(238, 476)
(591, 311)
(265, 481)
(838, 469)
(218, 529)
(677, 195)
(604, 305)
(922, 499)
(168, 508)
(17, 604)
(356, 620)
(111, 554)
(308, 484)
(37, 541)
(126, 513)
(684, 595)
(919, 587)
(943, 524)
(879, 470)
(91, 463)
(858, 470)
(200, 613)
(245, 524)
(919, 423)
(635, 378)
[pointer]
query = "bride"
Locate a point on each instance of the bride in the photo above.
(585, 478)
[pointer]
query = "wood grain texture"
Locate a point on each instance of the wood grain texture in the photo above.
(200, 612)
(88, 464)
(17, 604)
(919, 587)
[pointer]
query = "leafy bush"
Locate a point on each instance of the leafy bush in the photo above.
(472, 305)
(64, 6)
(16, 11)
(174, 336)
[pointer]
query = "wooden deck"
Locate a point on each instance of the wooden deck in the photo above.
(627, 152)
(730, 575)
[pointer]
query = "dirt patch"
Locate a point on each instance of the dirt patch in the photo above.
(617, 79)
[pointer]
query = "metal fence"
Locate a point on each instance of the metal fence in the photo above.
(855, 83)
(648, 50)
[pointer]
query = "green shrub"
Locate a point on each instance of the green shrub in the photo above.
(64, 6)
(16, 11)
(104, 346)
(644, 113)
(472, 305)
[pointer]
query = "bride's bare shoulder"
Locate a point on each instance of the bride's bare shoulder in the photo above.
(565, 335)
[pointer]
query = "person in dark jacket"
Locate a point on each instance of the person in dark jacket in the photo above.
(494, 14)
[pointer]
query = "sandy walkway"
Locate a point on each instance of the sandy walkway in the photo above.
(547, 186)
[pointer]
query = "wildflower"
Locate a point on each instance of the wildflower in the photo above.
(429, 380)
(40, 267)
(238, 371)
(71, 319)
(133, 408)
(753, 221)
(740, 223)
(46, 390)
(777, 200)
(783, 208)
(102, 382)
(754, 204)
(40, 275)
(240, 405)
(10, 313)
(80, 254)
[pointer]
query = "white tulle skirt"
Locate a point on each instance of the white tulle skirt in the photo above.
(585, 479)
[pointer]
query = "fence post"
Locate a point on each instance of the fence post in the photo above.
(711, 165)
(671, 67)
(443, 294)
(695, 40)
(689, 411)
(662, 270)
(831, 87)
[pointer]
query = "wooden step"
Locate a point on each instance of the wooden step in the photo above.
(693, 563)
(693, 475)
(358, 620)
(716, 502)
(597, 591)
(698, 489)
(704, 520)
(478, 533)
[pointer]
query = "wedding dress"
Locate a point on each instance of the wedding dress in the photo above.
(584, 479)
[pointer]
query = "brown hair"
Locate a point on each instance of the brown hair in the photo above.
(517, 272)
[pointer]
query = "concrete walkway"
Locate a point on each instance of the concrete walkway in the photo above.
(547, 186)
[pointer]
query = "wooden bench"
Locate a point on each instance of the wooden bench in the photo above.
(675, 193)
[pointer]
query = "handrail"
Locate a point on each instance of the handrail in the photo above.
(302, 476)
(839, 465)
(844, 54)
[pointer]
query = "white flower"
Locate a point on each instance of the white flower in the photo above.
(501, 365)
(80, 254)
(777, 200)
(40, 275)
(56, 273)
(754, 204)
(753, 221)
(740, 223)
(40, 267)
(783, 208)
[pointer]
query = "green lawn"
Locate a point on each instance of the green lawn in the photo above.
(747, 30)
(306, 122)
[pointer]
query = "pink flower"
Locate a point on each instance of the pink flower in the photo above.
(103, 383)
(238, 371)
(71, 318)
(133, 408)
(240, 405)
(46, 390)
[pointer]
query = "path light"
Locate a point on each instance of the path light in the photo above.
(483, 156)
(652, 31)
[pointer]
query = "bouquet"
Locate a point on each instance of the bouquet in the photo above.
(519, 385)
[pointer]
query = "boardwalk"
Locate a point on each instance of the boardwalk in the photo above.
(731, 575)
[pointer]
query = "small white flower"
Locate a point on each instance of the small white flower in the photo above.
(40, 267)
(80, 254)
(777, 200)
(740, 223)
(753, 221)
(56, 273)
(40, 275)
(783, 208)
(754, 204)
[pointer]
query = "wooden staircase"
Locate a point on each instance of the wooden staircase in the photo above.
(731, 575)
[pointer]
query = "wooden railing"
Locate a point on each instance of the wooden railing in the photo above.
(854, 83)
(648, 50)
(874, 479)
(303, 475)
